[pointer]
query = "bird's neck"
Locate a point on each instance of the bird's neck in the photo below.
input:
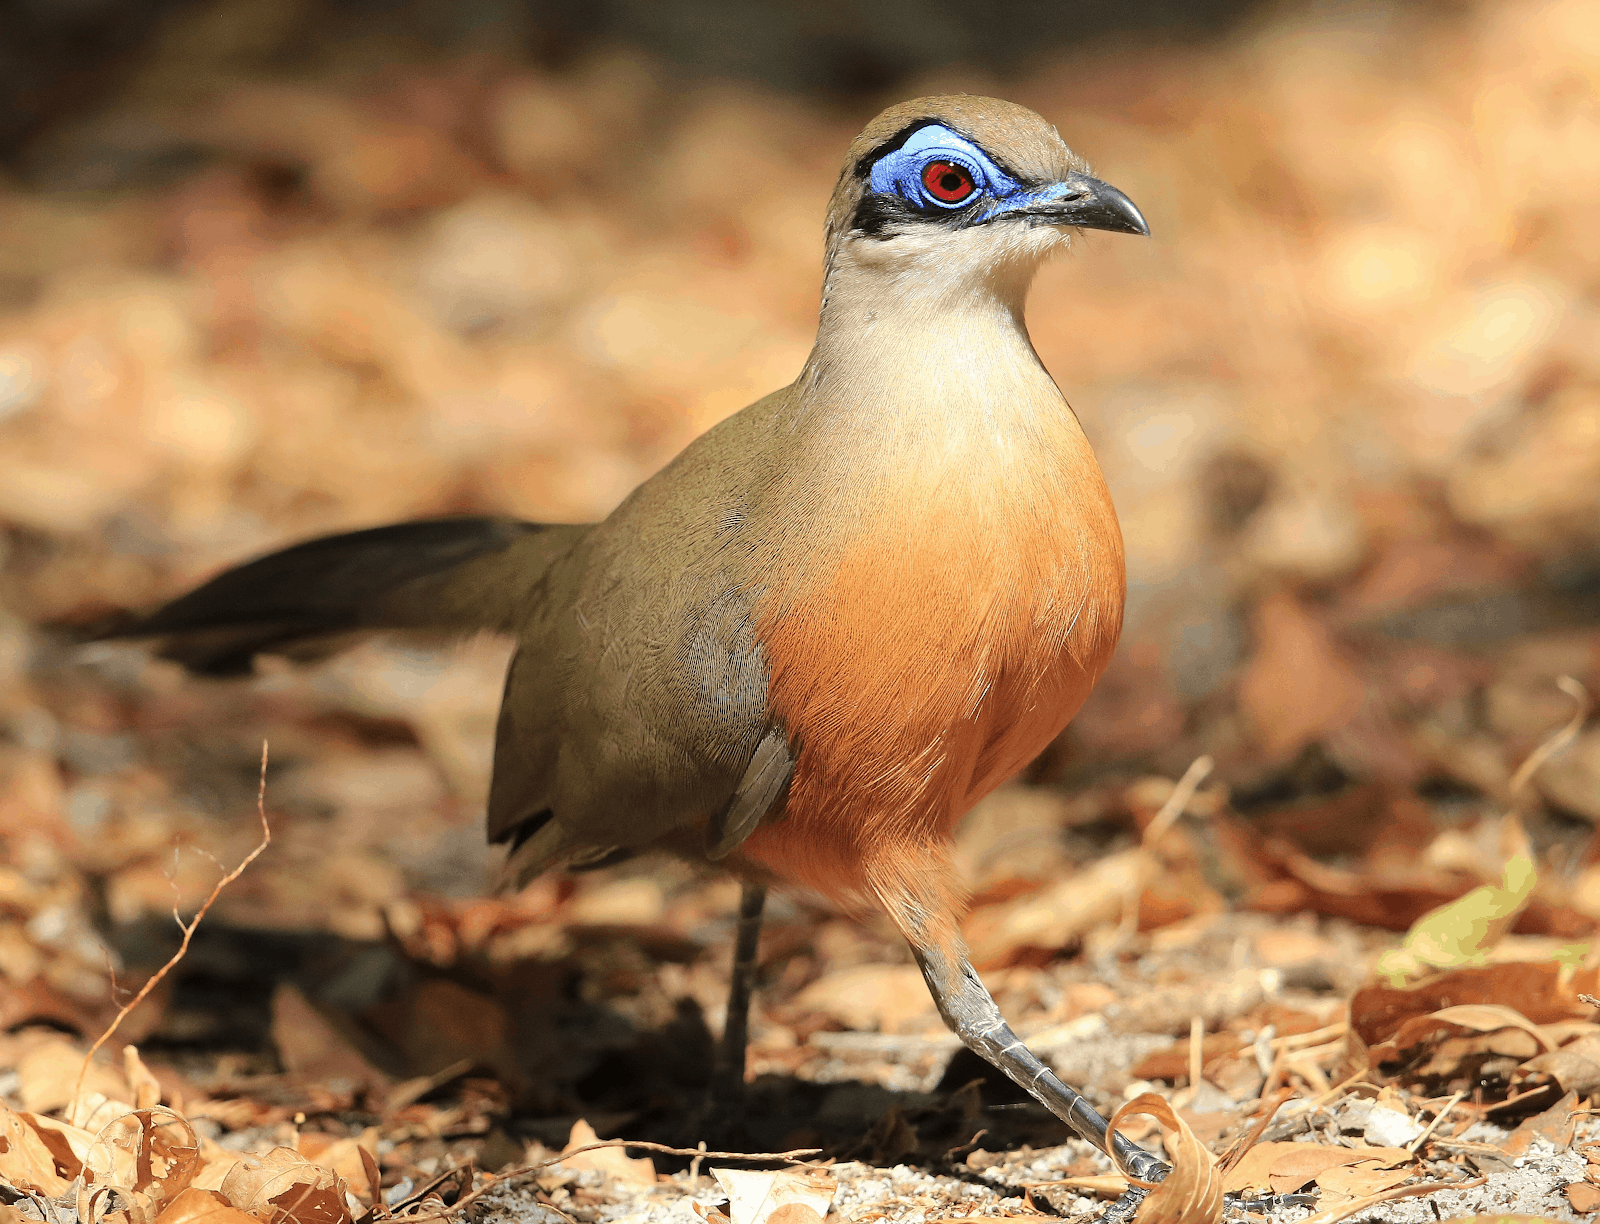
(909, 357)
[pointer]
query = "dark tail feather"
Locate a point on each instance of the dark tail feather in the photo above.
(452, 576)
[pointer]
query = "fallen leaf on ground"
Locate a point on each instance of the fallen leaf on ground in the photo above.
(1192, 1192)
(49, 1077)
(1461, 932)
(284, 1186)
(194, 1206)
(1286, 1167)
(1554, 1124)
(777, 1196)
(344, 1157)
(1536, 991)
(311, 1047)
(1357, 1181)
(25, 1160)
(1575, 1067)
(613, 1162)
(1584, 1197)
(67, 1143)
(1343, 1211)
(153, 1152)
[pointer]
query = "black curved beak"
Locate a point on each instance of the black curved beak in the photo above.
(1087, 203)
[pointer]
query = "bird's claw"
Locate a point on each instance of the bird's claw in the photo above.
(1232, 1203)
(1126, 1208)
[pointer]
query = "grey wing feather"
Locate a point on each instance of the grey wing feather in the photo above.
(761, 791)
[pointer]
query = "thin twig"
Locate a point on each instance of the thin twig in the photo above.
(1173, 808)
(1197, 1042)
(1353, 1081)
(1556, 742)
(1270, 1107)
(1163, 820)
(796, 1156)
(188, 929)
(1333, 1215)
(1415, 1145)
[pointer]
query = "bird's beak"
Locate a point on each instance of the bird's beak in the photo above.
(1087, 203)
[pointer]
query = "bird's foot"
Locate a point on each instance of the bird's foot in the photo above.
(1126, 1208)
(1236, 1208)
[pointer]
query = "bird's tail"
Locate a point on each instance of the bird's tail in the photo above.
(442, 576)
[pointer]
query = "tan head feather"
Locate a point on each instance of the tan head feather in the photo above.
(1014, 136)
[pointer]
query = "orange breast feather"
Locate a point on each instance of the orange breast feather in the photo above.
(941, 654)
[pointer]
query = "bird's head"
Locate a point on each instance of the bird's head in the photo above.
(960, 188)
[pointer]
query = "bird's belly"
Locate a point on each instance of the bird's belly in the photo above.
(919, 678)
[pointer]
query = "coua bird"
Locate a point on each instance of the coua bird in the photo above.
(807, 646)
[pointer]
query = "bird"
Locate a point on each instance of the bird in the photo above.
(809, 644)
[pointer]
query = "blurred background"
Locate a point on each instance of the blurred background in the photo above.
(273, 268)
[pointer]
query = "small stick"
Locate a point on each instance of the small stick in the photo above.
(188, 929)
(1178, 800)
(1332, 1215)
(1197, 1037)
(1416, 1144)
(1351, 1082)
(1302, 1041)
(793, 1157)
(1556, 742)
(1269, 1111)
(1163, 820)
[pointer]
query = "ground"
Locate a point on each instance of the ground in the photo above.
(1348, 402)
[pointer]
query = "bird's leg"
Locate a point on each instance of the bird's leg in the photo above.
(969, 1009)
(727, 1071)
(971, 1012)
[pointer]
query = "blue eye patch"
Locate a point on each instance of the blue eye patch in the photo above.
(928, 176)
(900, 172)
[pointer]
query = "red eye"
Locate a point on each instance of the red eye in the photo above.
(947, 182)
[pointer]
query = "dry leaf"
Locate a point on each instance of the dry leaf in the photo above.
(49, 1075)
(152, 1152)
(1285, 1167)
(1575, 1067)
(344, 1157)
(68, 1144)
(1461, 932)
(1555, 1124)
(1101, 1185)
(194, 1206)
(284, 1186)
(1536, 991)
(146, 1089)
(1356, 1181)
(312, 1048)
(93, 1110)
(613, 1162)
(216, 1162)
(1343, 1211)
(1192, 1192)
(25, 1159)
(1584, 1197)
(777, 1196)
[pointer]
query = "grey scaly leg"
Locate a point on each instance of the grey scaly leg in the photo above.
(973, 1015)
(727, 1072)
